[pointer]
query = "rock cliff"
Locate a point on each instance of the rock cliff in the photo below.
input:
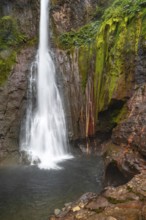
(125, 202)
(104, 70)
(100, 54)
(18, 35)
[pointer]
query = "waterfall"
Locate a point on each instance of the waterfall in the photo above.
(44, 136)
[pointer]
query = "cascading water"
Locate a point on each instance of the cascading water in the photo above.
(44, 138)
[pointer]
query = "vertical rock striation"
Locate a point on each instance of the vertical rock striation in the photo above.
(103, 69)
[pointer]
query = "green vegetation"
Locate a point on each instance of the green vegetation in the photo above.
(6, 65)
(84, 35)
(124, 8)
(118, 10)
(10, 35)
(10, 41)
(107, 49)
(117, 201)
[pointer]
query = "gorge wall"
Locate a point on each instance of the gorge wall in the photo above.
(99, 60)
(102, 62)
(100, 50)
(18, 35)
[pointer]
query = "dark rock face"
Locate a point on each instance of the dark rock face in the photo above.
(23, 14)
(140, 73)
(128, 161)
(12, 101)
(132, 130)
(75, 104)
(129, 135)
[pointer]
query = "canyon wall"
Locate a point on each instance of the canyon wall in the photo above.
(99, 49)
(103, 67)
(18, 36)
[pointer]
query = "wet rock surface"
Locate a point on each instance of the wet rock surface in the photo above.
(126, 202)
(12, 103)
(128, 161)
(127, 146)
(132, 130)
(75, 102)
(19, 20)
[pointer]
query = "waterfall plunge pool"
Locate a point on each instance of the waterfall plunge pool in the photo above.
(28, 193)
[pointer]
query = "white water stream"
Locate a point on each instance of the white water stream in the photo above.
(44, 138)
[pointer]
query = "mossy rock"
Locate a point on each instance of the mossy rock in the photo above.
(10, 36)
(6, 64)
(83, 36)
(115, 39)
(11, 42)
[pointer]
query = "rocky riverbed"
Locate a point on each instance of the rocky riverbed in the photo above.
(126, 202)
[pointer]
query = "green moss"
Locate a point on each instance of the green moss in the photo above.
(107, 51)
(120, 115)
(99, 11)
(116, 41)
(32, 42)
(117, 201)
(141, 196)
(6, 65)
(85, 55)
(124, 8)
(10, 36)
(99, 210)
(84, 35)
(11, 40)
(109, 118)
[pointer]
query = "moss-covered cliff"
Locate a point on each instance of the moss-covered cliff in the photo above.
(103, 64)
(10, 40)
(102, 54)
